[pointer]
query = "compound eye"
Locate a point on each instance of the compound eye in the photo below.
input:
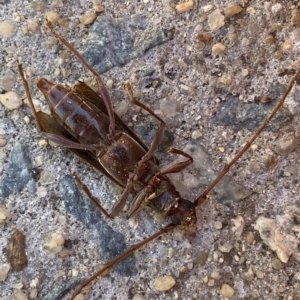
(176, 220)
(188, 204)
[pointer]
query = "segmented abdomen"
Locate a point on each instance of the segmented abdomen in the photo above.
(83, 120)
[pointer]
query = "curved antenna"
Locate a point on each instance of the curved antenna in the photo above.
(227, 167)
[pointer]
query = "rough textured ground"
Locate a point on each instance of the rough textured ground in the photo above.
(192, 82)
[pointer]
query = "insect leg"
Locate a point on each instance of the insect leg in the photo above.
(117, 208)
(119, 205)
(160, 131)
(178, 166)
(110, 265)
(89, 194)
(101, 87)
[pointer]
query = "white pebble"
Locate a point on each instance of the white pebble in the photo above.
(226, 291)
(41, 192)
(4, 269)
(164, 283)
(54, 242)
(19, 295)
(11, 100)
(4, 215)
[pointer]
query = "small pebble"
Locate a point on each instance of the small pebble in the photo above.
(18, 285)
(250, 237)
(122, 108)
(187, 90)
(218, 48)
(52, 17)
(269, 161)
(226, 79)
(19, 295)
(286, 46)
(205, 37)
(33, 294)
(98, 8)
(232, 10)
(215, 275)
(286, 145)
(4, 270)
(63, 23)
(270, 40)
(4, 215)
(218, 225)
(171, 252)
(7, 29)
(185, 6)
(18, 18)
(259, 274)
(249, 275)
(34, 283)
(278, 54)
(207, 8)
(43, 143)
(203, 256)
(276, 8)
(87, 18)
(245, 72)
(159, 217)
(196, 134)
(238, 225)
(216, 256)
(226, 291)
(17, 251)
(75, 273)
(250, 10)
(11, 100)
(33, 25)
(26, 120)
(211, 282)
(39, 160)
(54, 242)
(8, 80)
(79, 297)
(109, 84)
(156, 83)
(216, 20)
(138, 297)
(226, 248)
(277, 264)
(164, 283)
(57, 3)
(296, 16)
(41, 192)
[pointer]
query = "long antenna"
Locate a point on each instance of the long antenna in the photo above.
(227, 167)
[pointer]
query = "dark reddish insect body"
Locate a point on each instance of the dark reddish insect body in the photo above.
(120, 154)
(83, 121)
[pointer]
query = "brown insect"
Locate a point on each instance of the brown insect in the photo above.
(84, 122)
